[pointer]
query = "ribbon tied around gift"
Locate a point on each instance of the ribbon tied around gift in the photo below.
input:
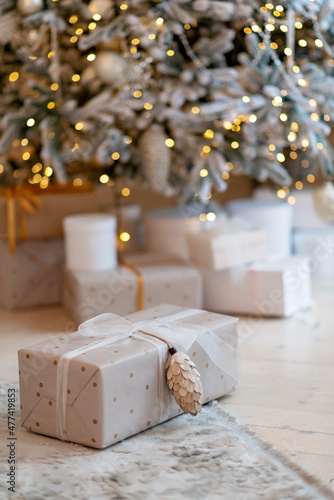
(110, 329)
(28, 203)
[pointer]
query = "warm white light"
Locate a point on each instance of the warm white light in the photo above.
(48, 171)
(13, 76)
(281, 193)
(104, 178)
(125, 191)
(169, 142)
(124, 236)
(315, 117)
(211, 216)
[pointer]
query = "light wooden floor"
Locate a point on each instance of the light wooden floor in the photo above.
(286, 375)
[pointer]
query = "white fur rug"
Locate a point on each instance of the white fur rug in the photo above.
(210, 457)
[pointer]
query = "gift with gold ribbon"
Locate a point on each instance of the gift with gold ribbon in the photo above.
(140, 281)
(28, 203)
(108, 381)
(32, 213)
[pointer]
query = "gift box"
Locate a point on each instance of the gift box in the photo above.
(108, 381)
(275, 218)
(33, 276)
(229, 243)
(130, 227)
(90, 242)
(318, 244)
(36, 213)
(166, 229)
(142, 281)
(304, 213)
(278, 287)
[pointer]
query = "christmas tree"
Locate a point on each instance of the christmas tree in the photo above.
(181, 93)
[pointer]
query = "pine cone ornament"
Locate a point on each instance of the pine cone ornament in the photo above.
(184, 382)
(156, 158)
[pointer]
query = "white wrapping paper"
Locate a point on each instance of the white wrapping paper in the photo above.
(113, 392)
(278, 287)
(275, 217)
(166, 229)
(318, 244)
(88, 294)
(229, 243)
(33, 276)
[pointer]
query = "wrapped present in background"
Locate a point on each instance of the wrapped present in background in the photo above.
(142, 281)
(130, 227)
(35, 213)
(277, 287)
(274, 217)
(318, 244)
(90, 242)
(33, 276)
(304, 212)
(106, 392)
(229, 243)
(166, 229)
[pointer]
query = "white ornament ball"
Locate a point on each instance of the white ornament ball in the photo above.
(101, 7)
(28, 7)
(110, 67)
(323, 202)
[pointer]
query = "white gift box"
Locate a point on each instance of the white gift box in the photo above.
(278, 287)
(157, 278)
(318, 244)
(114, 384)
(275, 218)
(230, 243)
(166, 229)
(90, 242)
(304, 213)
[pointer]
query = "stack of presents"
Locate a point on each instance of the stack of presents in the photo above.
(195, 269)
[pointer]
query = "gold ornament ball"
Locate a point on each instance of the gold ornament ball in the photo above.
(28, 7)
(110, 67)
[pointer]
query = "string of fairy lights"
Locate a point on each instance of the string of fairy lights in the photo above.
(275, 19)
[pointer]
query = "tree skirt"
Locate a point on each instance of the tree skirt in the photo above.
(205, 457)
